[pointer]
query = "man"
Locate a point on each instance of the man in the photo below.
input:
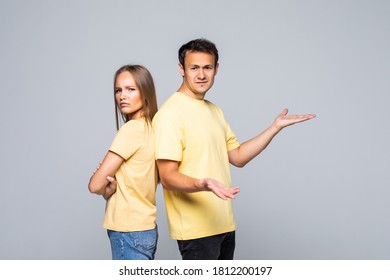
(194, 146)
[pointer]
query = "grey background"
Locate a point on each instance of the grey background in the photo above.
(320, 190)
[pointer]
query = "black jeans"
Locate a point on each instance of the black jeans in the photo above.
(216, 247)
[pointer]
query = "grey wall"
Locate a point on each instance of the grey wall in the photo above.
(320, 190)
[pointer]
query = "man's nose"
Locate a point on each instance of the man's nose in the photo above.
(201, 74)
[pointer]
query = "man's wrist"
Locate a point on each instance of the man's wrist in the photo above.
(274, 129)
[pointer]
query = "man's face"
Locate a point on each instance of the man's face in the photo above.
(198, 73)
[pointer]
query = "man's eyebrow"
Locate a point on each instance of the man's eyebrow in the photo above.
(197, 65)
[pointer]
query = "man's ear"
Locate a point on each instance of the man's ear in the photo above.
(181, 69)
(216, 68)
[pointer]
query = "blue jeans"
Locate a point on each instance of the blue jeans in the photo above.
(216, 247)
(134, 245)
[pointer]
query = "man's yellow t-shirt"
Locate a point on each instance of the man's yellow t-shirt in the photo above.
(195, 133)
(133, 206)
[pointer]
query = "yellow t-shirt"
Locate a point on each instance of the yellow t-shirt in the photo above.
(133, 206)
(195, 133)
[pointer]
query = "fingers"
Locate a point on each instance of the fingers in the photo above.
(232, 192)
(306, 116)
(286, 120)
(228, 193)
(112, 185)
(301, 118)
(236, 190)
(220, 189)
(311, 116)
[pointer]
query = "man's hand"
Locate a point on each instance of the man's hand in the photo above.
(283, 120)
(218, 188)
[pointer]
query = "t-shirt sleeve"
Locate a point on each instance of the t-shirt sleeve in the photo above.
(128, 139)
(231, 139)
(169, 137)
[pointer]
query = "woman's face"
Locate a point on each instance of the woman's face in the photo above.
(128, 96)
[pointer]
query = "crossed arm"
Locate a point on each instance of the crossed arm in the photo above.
(102, 181)
(172, 179)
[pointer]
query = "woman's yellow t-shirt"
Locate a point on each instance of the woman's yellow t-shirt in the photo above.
(133, 206)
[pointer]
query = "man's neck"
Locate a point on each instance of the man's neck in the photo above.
(191, 94)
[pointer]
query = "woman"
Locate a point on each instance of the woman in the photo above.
(127, 177)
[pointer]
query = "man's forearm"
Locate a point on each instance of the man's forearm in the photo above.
(172, 179)
(253, 147)
(177, 181)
